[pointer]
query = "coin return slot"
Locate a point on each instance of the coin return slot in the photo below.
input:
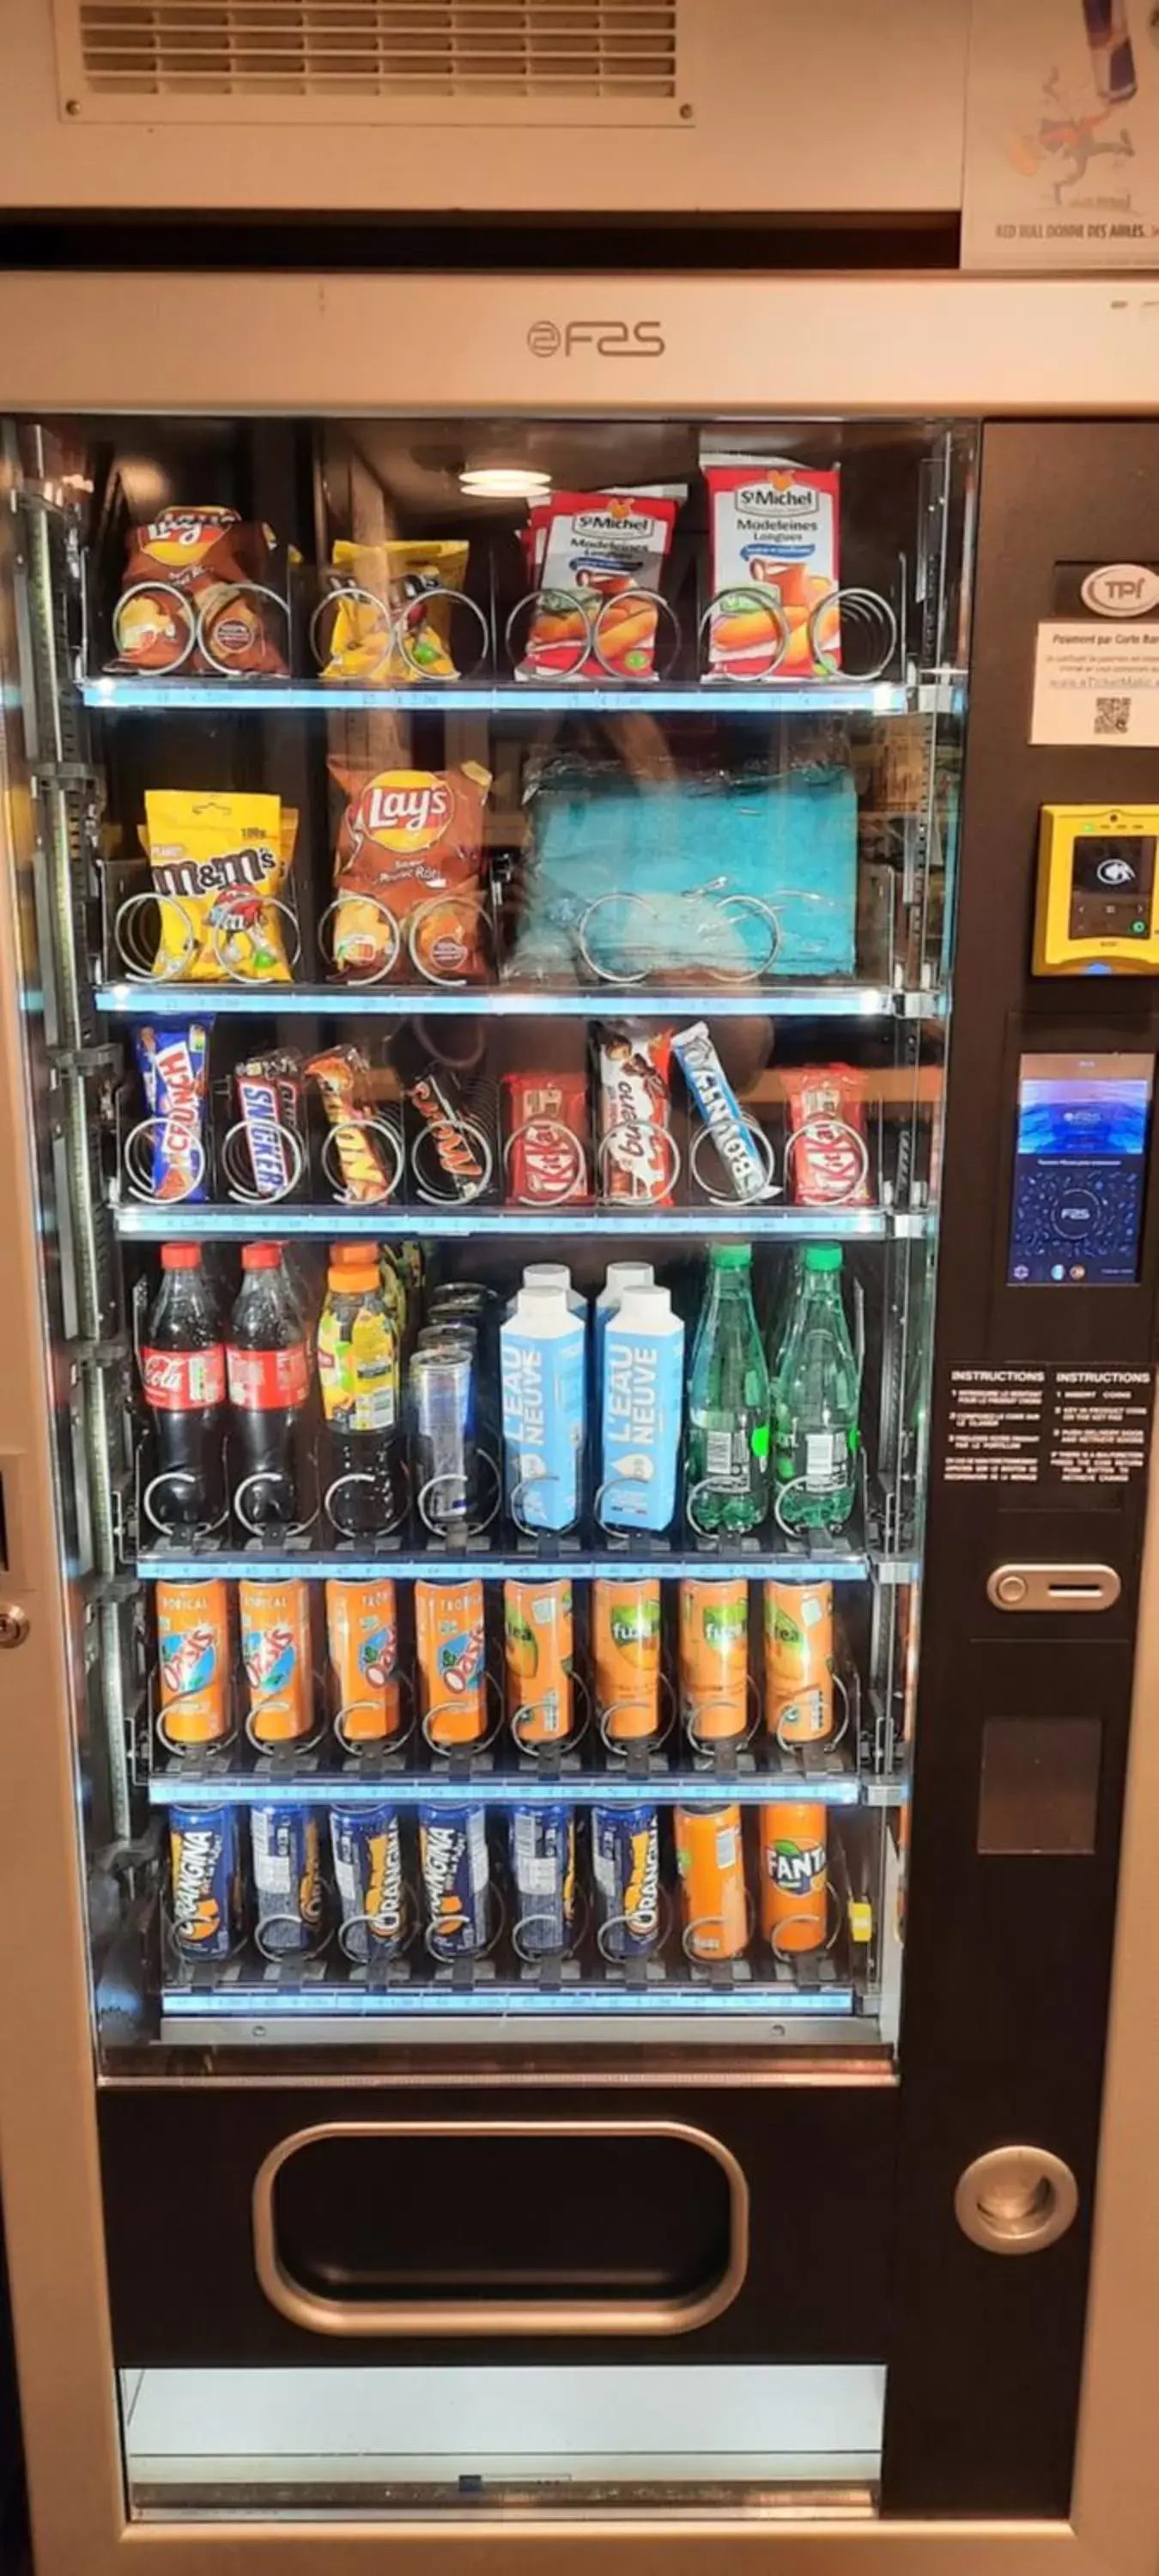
(1017, 2207)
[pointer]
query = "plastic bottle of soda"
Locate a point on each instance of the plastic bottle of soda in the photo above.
(268, 1374)
(359, 1378)
(816, 1398)
(183, 1377)
(726, 1447)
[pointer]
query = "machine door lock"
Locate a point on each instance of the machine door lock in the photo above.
(1016, 2200)
(1054, 1587)
(14, 1624)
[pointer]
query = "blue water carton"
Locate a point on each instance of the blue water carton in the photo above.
(542, 1348)
(642, 1397)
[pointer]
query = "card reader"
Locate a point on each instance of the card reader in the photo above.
(1097, 911)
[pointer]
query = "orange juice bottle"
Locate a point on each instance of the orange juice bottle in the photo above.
(626, 1658)
(193, 1664)
(537, 1650)
(451, 1646)
(277, 1653)
(713, 1896)
(794, 1877)
(362, 1636)
(798, 1631)
(714, 1659)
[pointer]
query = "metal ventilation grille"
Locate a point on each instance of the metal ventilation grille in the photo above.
(401, 50)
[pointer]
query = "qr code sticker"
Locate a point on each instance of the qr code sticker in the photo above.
(1112, 715)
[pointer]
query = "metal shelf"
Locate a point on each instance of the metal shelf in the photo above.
(115, 691)
(848, 1565)
(140, 1000)
(456, 1788)
(178, 1221)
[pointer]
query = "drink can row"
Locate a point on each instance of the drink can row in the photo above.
(539, 1648)
(459, 1905)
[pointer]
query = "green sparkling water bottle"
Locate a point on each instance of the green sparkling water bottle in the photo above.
(726, 1445)
(816, 1399)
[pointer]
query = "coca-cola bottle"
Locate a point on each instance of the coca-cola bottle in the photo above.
(268, 1374)
(183, 1376)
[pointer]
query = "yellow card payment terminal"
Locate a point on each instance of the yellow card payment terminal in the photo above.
(1097, 911)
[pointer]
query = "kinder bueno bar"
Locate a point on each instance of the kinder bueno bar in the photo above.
(827, 1157)
(638, 1153)
(547, 1127)
(172, 1058)
(269, 1090)
(741, 1161)
(774, 532)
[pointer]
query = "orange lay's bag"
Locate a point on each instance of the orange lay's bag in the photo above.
(596, 559)
(408, 869)
(775, 551)
(198, 594)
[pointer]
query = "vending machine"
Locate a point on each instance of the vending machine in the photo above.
(579, 1278)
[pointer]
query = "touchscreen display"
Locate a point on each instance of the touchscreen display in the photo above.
(1111, 886)
(1079, 1169)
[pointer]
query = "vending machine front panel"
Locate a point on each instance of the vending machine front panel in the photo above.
(600, 1569)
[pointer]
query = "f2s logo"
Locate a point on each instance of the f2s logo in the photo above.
(608, 339)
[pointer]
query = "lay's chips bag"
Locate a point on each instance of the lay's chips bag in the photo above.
(409, 866)
(386, 638)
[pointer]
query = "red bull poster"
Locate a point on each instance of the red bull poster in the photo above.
(1062, 135)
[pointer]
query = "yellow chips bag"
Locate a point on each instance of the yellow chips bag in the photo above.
(363, 638)
(219, 864)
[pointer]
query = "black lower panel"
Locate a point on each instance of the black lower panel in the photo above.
(571, 2215)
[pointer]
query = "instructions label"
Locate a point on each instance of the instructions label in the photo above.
(1053, 1427)
(1096, 684)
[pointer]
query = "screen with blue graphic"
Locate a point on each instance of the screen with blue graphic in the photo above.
(1079, 1169)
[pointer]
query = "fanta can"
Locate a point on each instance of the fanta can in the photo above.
(452, 1656)
(362, 1637)
(626, 1658)
(713, 1896)
(537, 1647)
(277, 1654)
(714, 1659)
(794, 1877)
(205, 1881)
(799, 1662)
(193, 1664)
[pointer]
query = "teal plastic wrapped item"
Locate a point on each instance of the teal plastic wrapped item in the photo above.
(734, 873)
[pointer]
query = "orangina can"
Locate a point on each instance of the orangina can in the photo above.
(626, 1658)
(713, 1897)
(714, 1659)
(362, 1638)
(537, 1650)
(450, 1643)
(799, 1662)
(193, 1664)
(278, 1656)
(794, 1877)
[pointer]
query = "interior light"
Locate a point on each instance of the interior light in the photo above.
(504, 482)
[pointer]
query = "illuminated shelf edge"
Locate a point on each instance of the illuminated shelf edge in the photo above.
(177, 1219)
(500, 2003)
(583, 1567)
(128, 998)
(493, 1790)
(126, 691)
